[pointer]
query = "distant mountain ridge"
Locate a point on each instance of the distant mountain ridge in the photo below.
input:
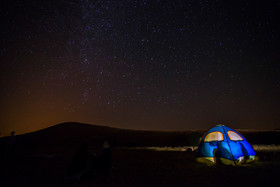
(70, 133)
(73, 132)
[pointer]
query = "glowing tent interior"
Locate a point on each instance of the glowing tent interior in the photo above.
(222, 144)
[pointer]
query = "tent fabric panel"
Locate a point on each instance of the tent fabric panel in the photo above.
(236, 149)
(216, 128)
(205, 150)
(249, 149)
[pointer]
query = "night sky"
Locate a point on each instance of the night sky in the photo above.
(162, 65)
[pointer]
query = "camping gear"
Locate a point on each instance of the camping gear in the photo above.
(222, 144)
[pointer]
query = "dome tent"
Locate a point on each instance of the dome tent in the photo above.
(225, 145)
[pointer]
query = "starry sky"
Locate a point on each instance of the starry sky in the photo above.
(161, 65)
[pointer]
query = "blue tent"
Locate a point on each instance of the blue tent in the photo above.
(225, 145)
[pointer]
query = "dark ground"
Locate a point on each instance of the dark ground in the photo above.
(35, 162)
(47, 167)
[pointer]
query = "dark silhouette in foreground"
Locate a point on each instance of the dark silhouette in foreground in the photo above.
(79, 163)
(95, 166)
(102, 164)
(105, 159)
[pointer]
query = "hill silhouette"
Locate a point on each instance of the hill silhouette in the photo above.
(72, 132)
(68, 132)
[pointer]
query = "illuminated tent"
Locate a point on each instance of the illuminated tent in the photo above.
(222, 144)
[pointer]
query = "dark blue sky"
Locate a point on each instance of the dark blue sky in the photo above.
(140, 64)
